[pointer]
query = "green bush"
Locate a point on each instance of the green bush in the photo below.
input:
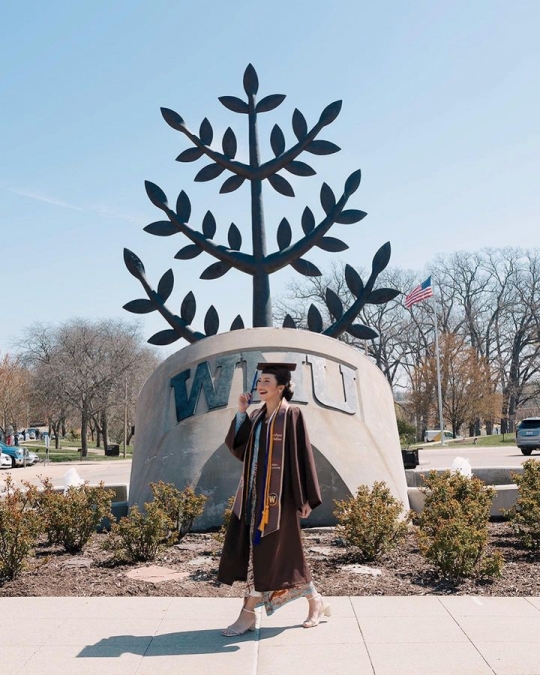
(20, 527)
(406, 431)
(524, 516)
(72, 517)
(139, 536)
(181, 507)
(452, 528)
(371, 521)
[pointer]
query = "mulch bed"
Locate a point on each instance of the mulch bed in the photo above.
(403, 572)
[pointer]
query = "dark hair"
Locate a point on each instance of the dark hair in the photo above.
(283, 378)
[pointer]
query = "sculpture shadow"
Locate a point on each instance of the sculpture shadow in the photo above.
(175, 644)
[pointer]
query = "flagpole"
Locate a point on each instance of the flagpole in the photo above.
(438, 363)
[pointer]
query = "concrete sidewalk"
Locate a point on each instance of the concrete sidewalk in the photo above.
(460, 635)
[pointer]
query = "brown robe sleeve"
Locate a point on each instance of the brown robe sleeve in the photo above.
(237, 443)
(302, 464)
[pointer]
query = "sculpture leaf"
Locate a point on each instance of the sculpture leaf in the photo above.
(382, 295)
(328, 199)
(353, 280)
(235, 238)
(206, 133)
(305, 267)
(183, 207)
(284, 234)
(350, 216)
(314, 320)
(142, 306)
(288, 322)
(269, 102)
(300, 169)
(362, 332)
(161, 228)
(216, 270)
(133, 264)
(353, 182)
(156, 195)
(229, 143)
(238, 323)
(322, 148)
(334, 304)
(330, 113)
(299, 124)
(381, 258)
(190, 155)
(209, 172)
(164, 337)
(173, 119)
(188, 308)
(211, 321)
(251, 81)
(235, 104)
(231, 184)
(281, 185)
(165, 286)
(308, 220)
(209, 225)
(332, 245)
(277, 140)
(188, 252)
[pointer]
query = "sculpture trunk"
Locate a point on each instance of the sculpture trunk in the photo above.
(262, 302)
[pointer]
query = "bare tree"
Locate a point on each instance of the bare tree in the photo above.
(14, 393)
(83, 364)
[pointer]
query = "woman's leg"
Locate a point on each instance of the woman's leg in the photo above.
(317, 609)
(246, 618)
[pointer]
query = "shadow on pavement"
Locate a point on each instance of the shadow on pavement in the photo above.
(173, 644)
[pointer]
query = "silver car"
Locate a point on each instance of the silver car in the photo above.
(5, 461)
(528, 435)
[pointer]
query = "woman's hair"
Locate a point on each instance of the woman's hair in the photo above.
(283, 378)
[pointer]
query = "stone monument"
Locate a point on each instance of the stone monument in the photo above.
(186, 406)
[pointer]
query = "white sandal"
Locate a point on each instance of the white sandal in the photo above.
(324, 611)
(232, 632)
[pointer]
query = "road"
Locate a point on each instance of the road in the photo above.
(437, 457)
(118, 471)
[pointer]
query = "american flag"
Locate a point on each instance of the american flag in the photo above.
(421, 292)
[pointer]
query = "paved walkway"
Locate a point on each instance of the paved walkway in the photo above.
(428, 635)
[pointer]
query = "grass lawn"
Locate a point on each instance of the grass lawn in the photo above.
(67, 452)
(494, 439)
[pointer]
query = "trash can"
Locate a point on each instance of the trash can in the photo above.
(410, 458)
(112, 450)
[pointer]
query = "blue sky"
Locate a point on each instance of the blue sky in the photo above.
(440, 111)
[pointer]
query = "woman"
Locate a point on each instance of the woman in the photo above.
(279, 484)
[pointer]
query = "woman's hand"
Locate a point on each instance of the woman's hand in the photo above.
(243, 401)
(305, 511)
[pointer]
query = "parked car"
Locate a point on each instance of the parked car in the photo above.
(31, 457)
(528, 435)
(5, 461)
(434, 436)
(15, 453)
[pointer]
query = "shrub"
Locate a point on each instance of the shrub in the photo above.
(524, 516)
(20, 527)
(220, 534)
(139, 536)
(371, 521)
(406, 431)
(452, 528)
(72, 517)
(181, 507)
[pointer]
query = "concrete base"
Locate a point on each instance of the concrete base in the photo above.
(187, 405)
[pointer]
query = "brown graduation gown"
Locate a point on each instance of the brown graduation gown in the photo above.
(278, 560)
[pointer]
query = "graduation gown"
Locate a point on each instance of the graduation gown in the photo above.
(278, 560)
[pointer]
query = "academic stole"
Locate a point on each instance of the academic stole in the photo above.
(270, 512)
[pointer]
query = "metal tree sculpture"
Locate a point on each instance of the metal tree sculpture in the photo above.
(258, 264)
